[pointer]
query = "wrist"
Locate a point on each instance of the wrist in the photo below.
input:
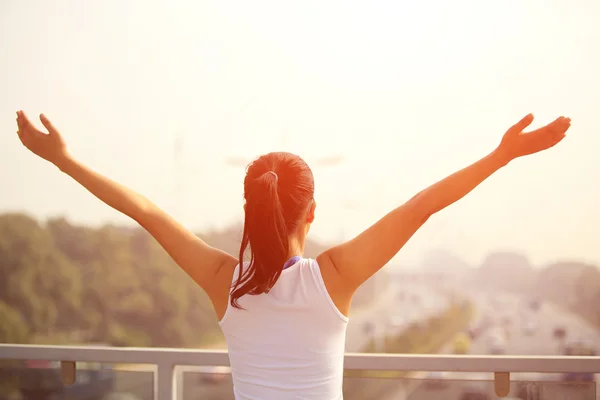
(501, 156)
(64, 162)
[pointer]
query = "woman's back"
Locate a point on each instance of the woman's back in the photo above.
(287, 343)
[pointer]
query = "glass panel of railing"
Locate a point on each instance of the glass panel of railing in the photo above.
(214, 383)
(466, 386)
(206, 383)
(41, 380)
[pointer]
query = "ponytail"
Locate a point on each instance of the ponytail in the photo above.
(266, 233)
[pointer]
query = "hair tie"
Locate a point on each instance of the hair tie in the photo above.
(274, 174)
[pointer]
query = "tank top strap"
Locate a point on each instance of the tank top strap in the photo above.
(291, 262)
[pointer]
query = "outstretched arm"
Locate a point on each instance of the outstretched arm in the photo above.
(358, 259)
(200, 261)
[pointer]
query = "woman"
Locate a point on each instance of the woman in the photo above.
(284, 316)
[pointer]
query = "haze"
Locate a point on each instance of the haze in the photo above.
(406, 92)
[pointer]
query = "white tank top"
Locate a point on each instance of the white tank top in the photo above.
(288, 343)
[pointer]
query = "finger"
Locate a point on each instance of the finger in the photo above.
(560, 132)
(27, 131)
(46, 122)
(561, 124)
(523, 123)
(24, 122)
(19, 119)
(20, 133)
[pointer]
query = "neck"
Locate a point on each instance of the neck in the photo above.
(296, 246)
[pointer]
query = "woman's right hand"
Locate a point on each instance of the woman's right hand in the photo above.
(49, 146)
(517, 143)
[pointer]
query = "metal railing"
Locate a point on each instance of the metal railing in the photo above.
(165, 361)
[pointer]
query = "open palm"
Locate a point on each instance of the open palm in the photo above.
(517, 143)
(49, 146)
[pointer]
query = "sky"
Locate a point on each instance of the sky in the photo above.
(405, 92)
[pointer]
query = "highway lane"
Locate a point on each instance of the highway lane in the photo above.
(400, 305)
(538, 341)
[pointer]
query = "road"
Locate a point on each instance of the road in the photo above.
(401, 304)
(539, 342)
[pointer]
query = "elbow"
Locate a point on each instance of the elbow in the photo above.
(421, 216)
(143, 211)
(422, 208)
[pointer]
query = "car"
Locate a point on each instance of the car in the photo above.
(535, 305)
(437, 380)
(213, 374)
(476, 387)
(398, 322)
(579, 348)
(473, 333)
(529, 328)
(481, 387)
(497, 343)
(579, 377)
(474, 395)
(559, 333)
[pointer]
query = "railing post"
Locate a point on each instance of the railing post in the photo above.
(164, 389)
(68, 372)
(502, 383)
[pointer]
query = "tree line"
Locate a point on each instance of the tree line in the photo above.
(64, 283)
